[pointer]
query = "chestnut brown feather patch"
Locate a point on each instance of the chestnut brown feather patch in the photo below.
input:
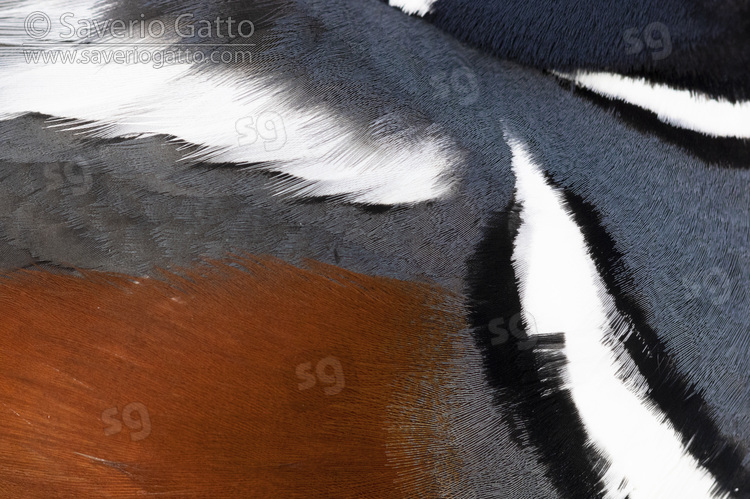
(265, 381)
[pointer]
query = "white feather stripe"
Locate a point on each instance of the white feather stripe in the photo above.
(561, 289)
(239, 120)
(418, 7)
(681, 108)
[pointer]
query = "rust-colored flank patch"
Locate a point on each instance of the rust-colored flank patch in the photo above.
(261, 381)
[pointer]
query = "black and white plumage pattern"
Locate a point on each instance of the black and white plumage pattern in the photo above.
(401, 158)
